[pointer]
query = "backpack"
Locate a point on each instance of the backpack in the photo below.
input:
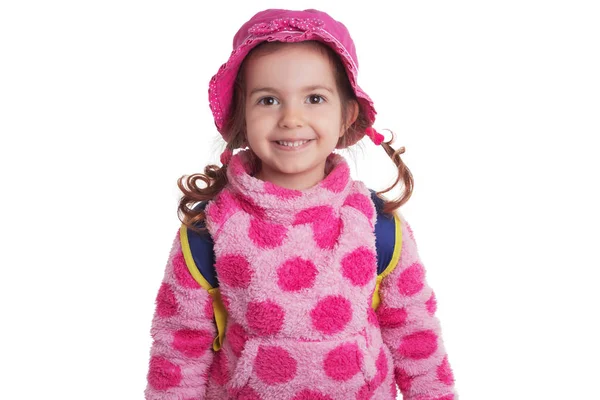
(199, 257)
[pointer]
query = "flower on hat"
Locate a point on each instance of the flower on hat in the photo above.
(282, 24)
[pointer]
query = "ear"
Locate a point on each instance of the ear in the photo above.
(352, 115)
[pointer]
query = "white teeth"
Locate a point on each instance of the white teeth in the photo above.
(292, 144)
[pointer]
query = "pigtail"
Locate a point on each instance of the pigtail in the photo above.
(404, 175)
(213, 180)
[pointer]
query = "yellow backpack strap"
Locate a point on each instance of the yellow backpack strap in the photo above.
(388, 242)
(199, 257)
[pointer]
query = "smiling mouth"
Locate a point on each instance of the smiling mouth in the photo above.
(297, 143)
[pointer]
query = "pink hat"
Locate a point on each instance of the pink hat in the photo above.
(288, 26)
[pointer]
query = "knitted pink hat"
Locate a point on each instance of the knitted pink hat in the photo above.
(288, 26)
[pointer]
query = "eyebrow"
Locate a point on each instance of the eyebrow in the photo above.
(304, 89)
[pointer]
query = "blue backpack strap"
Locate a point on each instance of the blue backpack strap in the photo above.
(385, 236)
(202, 252)
(388, 242)
(199, 254)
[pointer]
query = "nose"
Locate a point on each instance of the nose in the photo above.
(291, 117)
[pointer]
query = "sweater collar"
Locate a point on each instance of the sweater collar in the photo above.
(273, 202)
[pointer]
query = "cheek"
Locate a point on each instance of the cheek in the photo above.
(259, 118)
(332, 126)
(329, 118)
(257, 132)
(253, 125)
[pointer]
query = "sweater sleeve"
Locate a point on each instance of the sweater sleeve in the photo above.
(410, 328)
(183, 330)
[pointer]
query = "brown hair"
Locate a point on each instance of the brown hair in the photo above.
(214, 177)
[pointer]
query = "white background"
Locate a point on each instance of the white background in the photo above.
(103, 105)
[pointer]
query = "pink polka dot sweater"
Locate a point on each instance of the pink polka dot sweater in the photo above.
(297, 271)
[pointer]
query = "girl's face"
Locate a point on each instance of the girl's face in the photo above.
(293, 114)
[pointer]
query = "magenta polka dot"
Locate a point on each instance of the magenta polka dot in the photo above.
(325, 224)
(391, 317)
(223, 207)
(247, 204)
(209, 311)
(163, 374)
(295, 274)
(166, 303)
(265, 317)
(365, 392)
(431, 304)
(234, 270)
(343, 362)
(326, 234)
(247, 393)
(310, 215)
(265, 234)
(371, 316)
(182, 273)
(444, 372)
(403, 380)
(419, 345)
(411, 279)
(331, 314)
(337, 179)
(192, 343)
(382, 367)
(226, 302)
(359, 266)
(362, 203)
(237, 337)
(281, 192)
(311, 395)
(219, 371)
(274, 365)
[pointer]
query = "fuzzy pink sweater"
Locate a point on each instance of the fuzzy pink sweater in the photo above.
(297, 272)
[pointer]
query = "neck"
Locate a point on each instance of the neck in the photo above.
(293, 181)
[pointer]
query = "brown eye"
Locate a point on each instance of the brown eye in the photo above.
(267, 101)
(316, 99)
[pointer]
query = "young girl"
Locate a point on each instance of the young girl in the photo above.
(288, 279)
